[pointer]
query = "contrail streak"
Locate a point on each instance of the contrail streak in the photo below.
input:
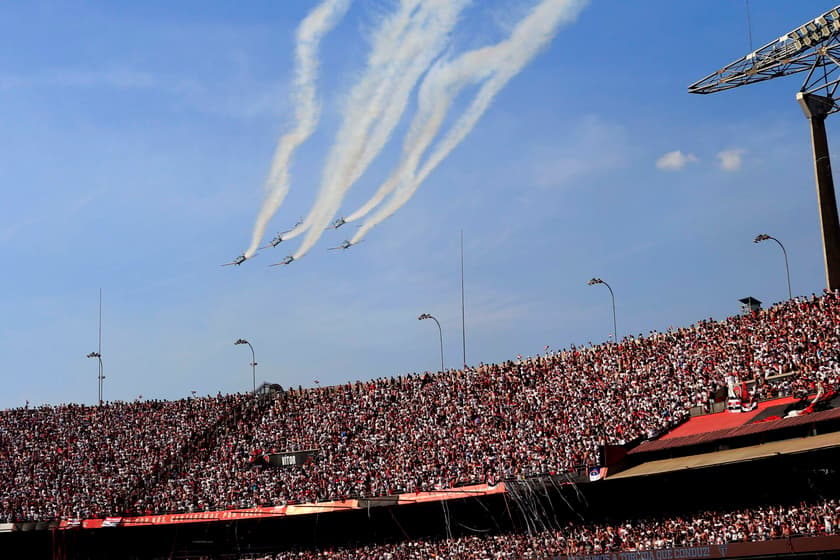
(403, 49)
(385, 40)
(494, 66)
(309, 33)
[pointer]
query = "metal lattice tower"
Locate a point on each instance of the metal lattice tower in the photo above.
(812, 48)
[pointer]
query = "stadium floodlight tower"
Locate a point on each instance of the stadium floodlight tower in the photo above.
(813, 48)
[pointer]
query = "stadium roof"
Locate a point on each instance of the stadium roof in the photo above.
(742, 429)
(784, 447)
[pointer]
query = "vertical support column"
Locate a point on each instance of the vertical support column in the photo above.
(816, 109)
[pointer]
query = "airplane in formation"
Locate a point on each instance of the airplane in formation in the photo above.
(344, 246)
(288, 260)
(338, 223)
(278, 239)
(237, 261)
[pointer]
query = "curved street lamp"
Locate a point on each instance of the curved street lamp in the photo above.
(440, 332)
(98, 356)
(764, 237)
(253, 361)
(594, 281)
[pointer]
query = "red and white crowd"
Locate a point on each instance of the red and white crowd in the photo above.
(72, 461)
(408, 433)
(694, 530)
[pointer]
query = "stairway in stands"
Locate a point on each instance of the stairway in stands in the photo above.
(202, 443)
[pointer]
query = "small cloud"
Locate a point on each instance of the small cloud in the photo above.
(674, 161)
(731, 160)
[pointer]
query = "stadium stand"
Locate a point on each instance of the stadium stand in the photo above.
(72, 461)
(700, 529)
(531, 417)
(385, 441)
(414, 433)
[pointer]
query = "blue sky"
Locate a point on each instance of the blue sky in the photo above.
(135, 140)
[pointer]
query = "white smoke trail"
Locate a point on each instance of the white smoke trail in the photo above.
(432, 109)
(494, 66)
(386, 39)
(309, 33)
(438, 18)
(377, 102)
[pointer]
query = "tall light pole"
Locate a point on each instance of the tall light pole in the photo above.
(812, 49)
(440, 332)
(764, 237)
(253, 361)
(98, 356)
(594, 281)
(463, 319)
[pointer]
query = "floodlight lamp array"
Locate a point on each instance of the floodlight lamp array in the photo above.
(799, 50)
(815, 32)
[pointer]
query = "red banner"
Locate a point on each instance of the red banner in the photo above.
(280, 511)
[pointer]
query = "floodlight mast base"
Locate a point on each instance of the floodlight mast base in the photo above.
(816, 109)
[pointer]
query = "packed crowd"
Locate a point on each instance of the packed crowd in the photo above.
(404, 434)
(72, 461)
(700, 529)
(516, 419)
